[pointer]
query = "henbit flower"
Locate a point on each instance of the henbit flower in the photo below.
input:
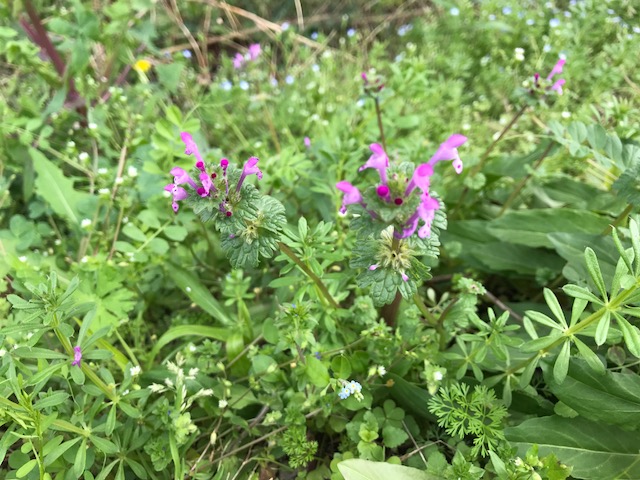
(180, 176)
(448, 150)
(557, 68)
(190, 147)
(238, 61)
(178, 193)
(77, 356)
(557, 86)
(250, 167)
(307, 142)
(426, 212)
(254, 51)
(379, 160)
(351, 194)
(421, 179)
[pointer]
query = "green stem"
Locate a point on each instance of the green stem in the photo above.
(61, 425)
(321, 286)
(619, 219)
(431, 319)
(379, 117)
(524, 181)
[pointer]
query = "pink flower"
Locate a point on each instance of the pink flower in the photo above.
(426, 211)
(351, 194)
(421, 179)
(557, 68)
(238, 61)
(77, 356)
(557, 86)
(449, 151)
(190, 146)
(180, 177)
(254, 51)
(307, 142)
(378, 160)
(178, 193)
(250, 168)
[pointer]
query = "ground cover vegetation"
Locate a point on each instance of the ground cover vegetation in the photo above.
(319, 240)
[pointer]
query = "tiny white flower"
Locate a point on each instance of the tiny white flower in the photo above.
(29, 335)
(382, 371)
(156, 387)
(132, 172)
(135, 371)
(92, 126)
(83, 157)
(119, 180)
(85, 222)
(125, 392)
(193, 372)
(84, 259)
(437, 375)
(222, 403)
(57, 241)
(566, 114)
(192, 348)
(71, 144)
(188, 289)
(3, 352)
(107, 192)
(102, 171)
(22, 258)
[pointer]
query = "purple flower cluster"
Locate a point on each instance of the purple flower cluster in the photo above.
(391, 194)
(252, 54)
(206, 187)
(77, 356)
(557, 85)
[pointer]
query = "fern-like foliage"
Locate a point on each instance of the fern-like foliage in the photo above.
(477, 414)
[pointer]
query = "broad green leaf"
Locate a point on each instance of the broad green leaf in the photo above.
(612, 398)
(185, 331)
(531, 227)
(317, 372)
(56, 189)
(595, 451)
(202, 297)
(561, 366)
(357, 469)
(410, 397)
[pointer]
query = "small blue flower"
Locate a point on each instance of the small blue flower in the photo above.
(274, 81)
(402, 31)
(567, 14)
(315, 67)
(314, 36)
(351, 32)
(455, 11)
(289, 79)
(226, 85)
(506, 10)
(244, 85)
(546, 48)
(344, 393)
(492, 17)
(636, 29)
(285, 26)
(530, 21)
(318, 355)
(186, 53)
(554, 22)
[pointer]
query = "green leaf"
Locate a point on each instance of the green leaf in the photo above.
(531, 227)
(561, 366)
(24, 470)
(603, 328)
(581, 293)
(184, 331)
(51, 400)
(612, 398)
(554, 306)
(176, 232)
(198, 293)
(81, 458)
(410, 397)
(589, 356)
(317, 372)
(59, 450)
(134, 233)
(169, 75)
(357, 469)
(105, 446)
(56, 189)
(393, 436)
(341, 366)
(594, 271)
(631, 335)
(596, 451)
(543, 319)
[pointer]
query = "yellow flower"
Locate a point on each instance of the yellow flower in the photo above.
(142, 66)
